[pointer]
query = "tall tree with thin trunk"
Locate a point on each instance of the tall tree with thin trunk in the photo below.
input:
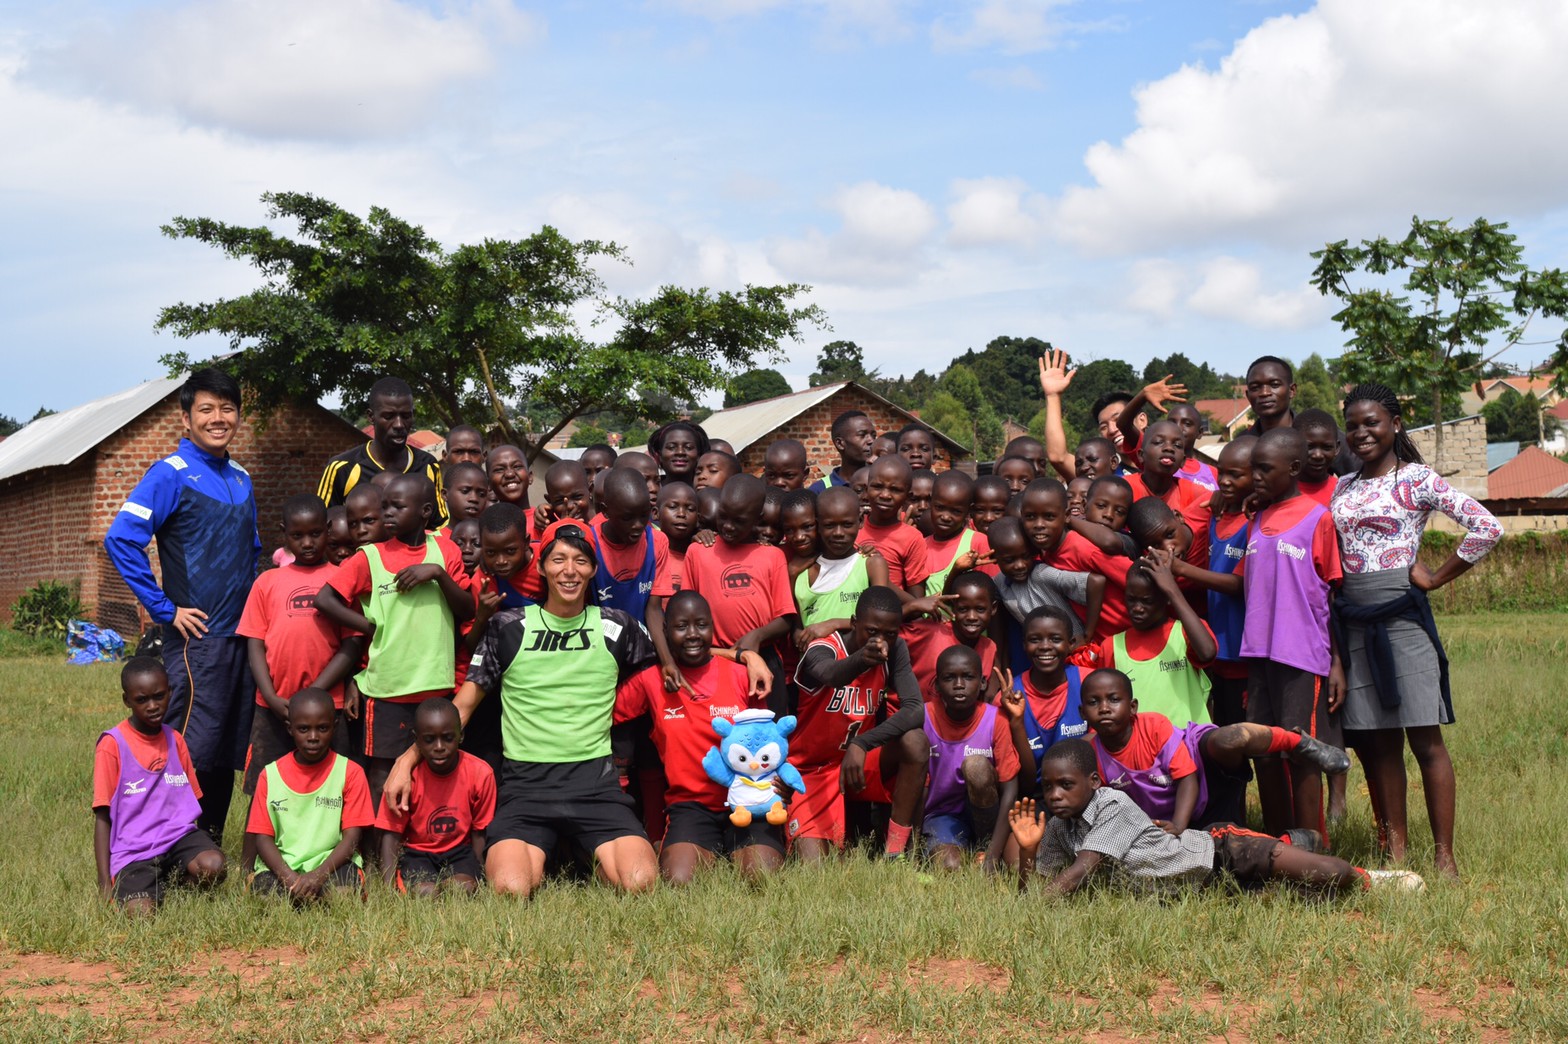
(1468, 297)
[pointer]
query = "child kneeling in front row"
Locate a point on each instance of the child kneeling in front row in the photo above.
(439, 842)
(309, 810)
(1094, 829)
(145, 798)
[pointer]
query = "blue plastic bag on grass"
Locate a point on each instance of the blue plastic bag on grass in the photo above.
(88, 643)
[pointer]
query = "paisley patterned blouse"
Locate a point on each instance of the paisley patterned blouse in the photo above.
(1380, 520)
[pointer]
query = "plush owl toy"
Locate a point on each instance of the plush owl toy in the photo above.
(750, 756)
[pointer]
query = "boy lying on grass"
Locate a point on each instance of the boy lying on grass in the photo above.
(1095, 830)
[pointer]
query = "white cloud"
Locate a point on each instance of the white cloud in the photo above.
(285, 68)
(1157, 287)
(1315, 124)
(882, 236)
(1232, 289)
(1009, 26)
(995, 211)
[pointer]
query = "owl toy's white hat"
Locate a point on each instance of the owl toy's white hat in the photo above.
(747, 716)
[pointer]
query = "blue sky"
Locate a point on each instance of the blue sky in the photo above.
(1123, 178)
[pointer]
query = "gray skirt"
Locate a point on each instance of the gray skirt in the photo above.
(1420, 693)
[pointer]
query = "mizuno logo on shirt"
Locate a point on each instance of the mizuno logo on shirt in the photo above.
(135, 786)
(671, 713)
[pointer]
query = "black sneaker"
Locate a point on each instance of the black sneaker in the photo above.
(1304, 839)
(1321, 756)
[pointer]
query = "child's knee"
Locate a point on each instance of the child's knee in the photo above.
(914, 748)
(980, 780)
(208, 867)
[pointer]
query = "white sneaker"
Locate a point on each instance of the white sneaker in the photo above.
(1397, 880)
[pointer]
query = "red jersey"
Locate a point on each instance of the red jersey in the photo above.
(1150, 733)
(150, 752)
(929, 639)
(306, 779)
(1047, 707)
(281, 612)
(683, 722)
(904, 549)
(1076, 554)
(1322, 492)
(677, 569)
(352, 578)
(747, 586)
(828, 718)
(1183, 494)
(443, 810)
(1003, 754)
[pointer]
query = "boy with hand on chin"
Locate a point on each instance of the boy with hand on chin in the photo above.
(1094, 830)
(1044, 518)
(146, 800)
(309, 810)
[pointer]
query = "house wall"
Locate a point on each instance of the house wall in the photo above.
(814, 429)
(1464, 453)
(43, 526)
(64, 512)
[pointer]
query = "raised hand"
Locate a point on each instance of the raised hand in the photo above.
(1163, 391)
(1055, 377)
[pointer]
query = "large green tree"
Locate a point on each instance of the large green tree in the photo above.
(1467, 298)
(350, 299)
(1092, 380)
(1315, 387)
(1009, 375)
(982, 428)
(840, 361)
(1512, 417)
(1202, 380)
(755, 385)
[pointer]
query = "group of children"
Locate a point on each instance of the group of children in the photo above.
(1123, 649)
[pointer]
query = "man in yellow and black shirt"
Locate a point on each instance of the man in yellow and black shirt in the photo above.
(391, 418)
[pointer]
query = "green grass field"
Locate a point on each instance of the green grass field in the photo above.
(859, 951)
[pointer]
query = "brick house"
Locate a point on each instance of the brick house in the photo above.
(64, 477)
(808, 416)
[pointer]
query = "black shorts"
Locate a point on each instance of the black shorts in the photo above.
(270, 740)
(1291, 698)
(388, 727)
(1227, 787)
(147, 878)
(693, 823)
(1244, 854)
(436, 866)
(582, 801)
(346, 876)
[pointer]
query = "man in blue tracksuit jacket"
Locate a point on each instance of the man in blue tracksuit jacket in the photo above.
(200, 506)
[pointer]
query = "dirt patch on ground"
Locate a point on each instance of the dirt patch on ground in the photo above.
(960, 975)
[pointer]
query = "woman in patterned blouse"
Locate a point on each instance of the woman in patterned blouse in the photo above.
(1397, 674)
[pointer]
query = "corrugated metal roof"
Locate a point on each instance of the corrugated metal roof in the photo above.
(1500, 453)
(741, 426)
(61, 438)
(1533, 473)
